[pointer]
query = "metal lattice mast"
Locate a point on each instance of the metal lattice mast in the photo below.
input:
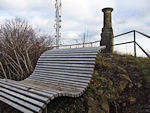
(58, 22)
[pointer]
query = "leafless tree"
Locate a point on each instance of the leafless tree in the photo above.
(20, 47)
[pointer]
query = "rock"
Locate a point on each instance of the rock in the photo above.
(123, 84)
(139, 85)
(93, 106)
(123, 76)
(130, 85)
(132, 100)
(124, 104)
(105, 105)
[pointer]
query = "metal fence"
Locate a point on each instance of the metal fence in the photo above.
(134, 42)
(128, 42)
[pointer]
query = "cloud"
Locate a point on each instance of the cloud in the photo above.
(25, 4)
(79, 16)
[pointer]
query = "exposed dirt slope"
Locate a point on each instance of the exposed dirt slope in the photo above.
(118, 86)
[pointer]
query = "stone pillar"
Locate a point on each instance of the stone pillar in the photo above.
(107, 31)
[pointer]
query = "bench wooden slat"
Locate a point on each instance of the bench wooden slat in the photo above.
(41, 67)
(62, 82)
(69, 72)
(66, 62)
(26, 88)
(69, 56)
(63, 78)
(74, 50)
(68, 59)
(79, 49)
(68, 65)
(16, 106)
(60, 51)
(74, 54)
(65, 82)
(69, 93)
(51, 85)
(20, 102)
(23, 92)
(22, 97)
(62, 73)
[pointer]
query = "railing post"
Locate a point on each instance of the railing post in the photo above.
(134, 43)
(91, 44)
(100, 42)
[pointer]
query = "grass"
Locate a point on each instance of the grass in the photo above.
(144, 67)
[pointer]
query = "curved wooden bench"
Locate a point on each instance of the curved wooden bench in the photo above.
(59, 72)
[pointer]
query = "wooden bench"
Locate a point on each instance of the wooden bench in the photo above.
(59, 72)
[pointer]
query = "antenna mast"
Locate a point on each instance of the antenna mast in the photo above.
(58, 22)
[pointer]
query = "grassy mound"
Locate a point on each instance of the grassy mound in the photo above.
(120, 84)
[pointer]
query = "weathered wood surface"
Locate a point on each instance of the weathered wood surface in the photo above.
(59, 72)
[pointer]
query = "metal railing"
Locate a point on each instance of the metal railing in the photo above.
(134, 41)
(98, 41)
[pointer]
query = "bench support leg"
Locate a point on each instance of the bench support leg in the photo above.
(45, 110)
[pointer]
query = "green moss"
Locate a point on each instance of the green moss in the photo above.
(144, 67)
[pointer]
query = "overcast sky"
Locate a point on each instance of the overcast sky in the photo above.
(79, 16)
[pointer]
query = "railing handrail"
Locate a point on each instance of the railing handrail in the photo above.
(122, 34)
(142, 34)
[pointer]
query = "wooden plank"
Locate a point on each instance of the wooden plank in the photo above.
(74, 54)
(66, 62)
(51, 85)
(68, 59)
(30, 86)
(87, 71)
(27, 88)
(68, 73)
(60, 78)
(62, 73)
(22, 97)
(65, 82)
(86, 48)
(71, 91)
(67, 52)
(78, 49)
(35, 96)
(16, 106)
(68, 56)
(61, 82)
(56, 68)
(63, 76)
(70, 50)
(21, 102)
(67, 65)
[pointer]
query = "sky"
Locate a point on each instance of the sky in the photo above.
(80, 16)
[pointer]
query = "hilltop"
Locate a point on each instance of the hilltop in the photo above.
(120, 84)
